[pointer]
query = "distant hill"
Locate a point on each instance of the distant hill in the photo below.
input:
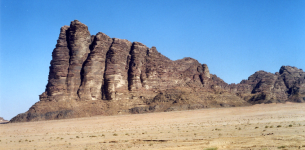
(2, 120)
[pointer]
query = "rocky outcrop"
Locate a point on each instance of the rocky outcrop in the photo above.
(98, 75)
(3, 121)
(263, 87)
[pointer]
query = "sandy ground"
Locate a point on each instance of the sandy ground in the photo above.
(259, 127)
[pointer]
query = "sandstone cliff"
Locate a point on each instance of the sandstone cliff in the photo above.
(98, 75)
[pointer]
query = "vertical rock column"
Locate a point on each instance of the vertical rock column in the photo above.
(156, 67)
(94, 67)
(79, 41)
(117, 65)
(151, 80)
(206, 71)
(56, 88)
(204, 74)
(138, 53)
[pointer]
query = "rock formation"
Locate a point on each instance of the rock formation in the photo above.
(98, 75)
(3, 120)
(263, 87)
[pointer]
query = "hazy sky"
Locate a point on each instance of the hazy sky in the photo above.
(235, 38)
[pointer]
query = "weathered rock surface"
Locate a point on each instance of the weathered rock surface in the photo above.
(98, 75)
(57, 88)
(94, 69)
(263, 87)
(116, 73)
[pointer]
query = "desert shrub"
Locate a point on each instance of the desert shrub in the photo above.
(281, 147)
(266, 126)
(212, 148)
(115, 134)
(256, 127)
(290, 125)
(278, 126)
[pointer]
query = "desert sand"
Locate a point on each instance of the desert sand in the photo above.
(258, 127)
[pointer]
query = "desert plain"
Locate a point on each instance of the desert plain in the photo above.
(257, 127)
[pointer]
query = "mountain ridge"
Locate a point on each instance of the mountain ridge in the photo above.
(98, 75)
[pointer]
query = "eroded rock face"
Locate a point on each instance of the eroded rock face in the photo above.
(136, 73)
(117, 65)
(94, 69)
(86, 67)
(265, 87)
(98, 75)
(71, 51)
(57, 88)
(78, 43)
